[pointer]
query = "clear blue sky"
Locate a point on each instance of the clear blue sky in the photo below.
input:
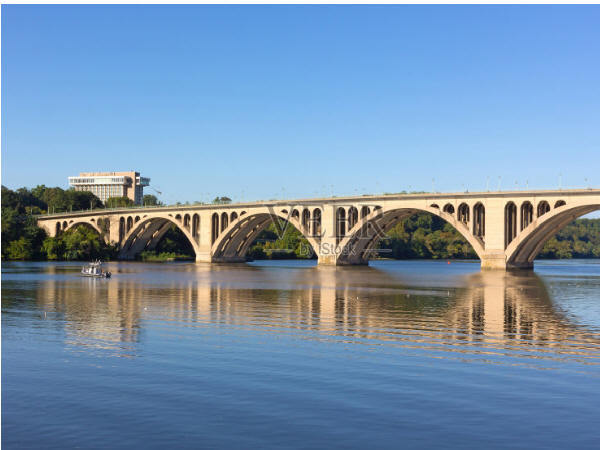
(297, 101)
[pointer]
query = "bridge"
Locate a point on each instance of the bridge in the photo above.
(507, 230)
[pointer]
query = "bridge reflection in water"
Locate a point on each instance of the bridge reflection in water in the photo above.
(481, 316)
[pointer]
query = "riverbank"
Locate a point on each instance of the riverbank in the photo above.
(164, 257)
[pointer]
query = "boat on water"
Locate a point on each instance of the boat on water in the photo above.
(94, 269)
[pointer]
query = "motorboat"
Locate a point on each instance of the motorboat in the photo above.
(94, 269)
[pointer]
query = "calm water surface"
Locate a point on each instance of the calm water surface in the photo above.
(289, 355)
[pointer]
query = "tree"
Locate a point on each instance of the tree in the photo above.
(280, 236)
(151, 200)
(20, 200)
(174, 241)
(53, 248)
(221, 200)
(79, 243)
(256, 252)
(20, 249)
(78, 200)
(118, 202)
(58, 200)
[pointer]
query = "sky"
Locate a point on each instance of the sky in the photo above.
(270, 102)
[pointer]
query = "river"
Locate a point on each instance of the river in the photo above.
(286, 354)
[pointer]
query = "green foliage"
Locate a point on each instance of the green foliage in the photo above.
(53, 248)
(280, 241)
(579, 239)
(20, 249)
(256, 252)
(20, 200)
(81, 243)
(118, 202)
(174, 241)
(41, 199)
(151, 200)
(221, 200)
(424, 236)
(151, 256)
(21, 237)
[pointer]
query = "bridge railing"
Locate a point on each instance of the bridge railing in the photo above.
(312, 201)
(83, 212)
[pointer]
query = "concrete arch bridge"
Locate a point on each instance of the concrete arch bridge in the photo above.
(506, 229)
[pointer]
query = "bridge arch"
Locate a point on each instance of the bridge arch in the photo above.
(90, 225)
(195, 226)
(305, 219)
(361, 240)
(147, 233)
(463, 213)
(479, 220)
(234, 242)
(526, 214)
(224, 221)
(121, 229)
(340, 220)
(527, 245)
(214, 228)
(352, 217)
(448, 208)
(315, 223)
(543, 208)
(510, 223)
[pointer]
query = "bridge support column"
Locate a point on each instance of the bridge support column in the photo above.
(330, 254)
(48, 228)
(203, 254)
(327, 258)
(493, 261)
(113, 232)
(328, 251)
(497, 261)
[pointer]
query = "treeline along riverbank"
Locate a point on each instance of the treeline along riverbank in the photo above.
(422, 236)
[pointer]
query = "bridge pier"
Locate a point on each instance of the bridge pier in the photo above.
(203, 254)
(497, 261)
(493, 261)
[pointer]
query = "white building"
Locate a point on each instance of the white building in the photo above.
(112, 184)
